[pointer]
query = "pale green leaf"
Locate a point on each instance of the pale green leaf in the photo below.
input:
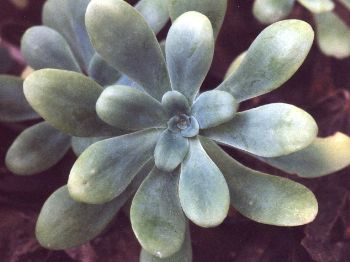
(36, 149)
(64, 223)
(270, 130)
(274, 56)
(235, 64)
(155, 13)
(333, 35)
(135, 54)
(324, 156)
(130, 109)
(43, 47)
(214, 10)
(170, 150)
(175, 103)
(106, 168)
(67, 101)
(213, 108)
(346, 3)
(270, 11)
(156, 216)
(264, 198)
(189, 52)
(183, 255)
(13, 105)
(317, 6)
(203, 191)
(67, 17)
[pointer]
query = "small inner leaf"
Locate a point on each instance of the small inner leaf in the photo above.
(128, 108)
(213, 108)
(175, 103)
(170, 150)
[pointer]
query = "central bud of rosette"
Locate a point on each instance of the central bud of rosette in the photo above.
(184, 124)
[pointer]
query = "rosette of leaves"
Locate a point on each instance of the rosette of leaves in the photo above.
(333, 34)
(173, 131)
(62, 43)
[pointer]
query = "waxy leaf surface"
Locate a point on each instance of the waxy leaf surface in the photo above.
(270, 130)
(264, 198)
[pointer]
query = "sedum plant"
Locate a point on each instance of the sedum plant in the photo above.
(61, 43)
(333, 35)
(170, 154)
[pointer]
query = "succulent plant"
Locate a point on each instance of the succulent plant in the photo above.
(173, 131)
(333, 35)
(61, 43)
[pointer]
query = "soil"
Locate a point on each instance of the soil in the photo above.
(321, 86)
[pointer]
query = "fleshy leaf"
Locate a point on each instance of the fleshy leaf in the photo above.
(64, 223)
(36, 149)
(67, 101)
(213, 108)
(156, 216)
(346, 3)
(333, 35)
(317, 6)
(130, 109)
(192, 130)
(137, 55)
(235, 64)
(274, 56)
(43, 47)
(214, 10)
(269, 130)
(102, 72)
(13, 105)
(155, 13)
(106, 168)
(264, 198)
(270, 11)
(189, 52)
(175, 103)
(183, 255)
(79, 144)
(203, 191)
(67, 17)
(170, 150)
(324, 156)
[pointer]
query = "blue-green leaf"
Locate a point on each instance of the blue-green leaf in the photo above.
(170, 150)
(67, 101)
(189, 52)
(270, 11)
(36, 149)
(214, 10)
(13, 105)
(137, 55)
(128, 108)
(274, 56)
(43, 47)
(155, 13)
(183, 255)
(175, 103)
(203, 191)
(264, 198)
(213, 108)
(106, 168)
(79, 144)
(324, 156)
(102, 72)
(156, 216)
(270, 130)
(67, 17)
